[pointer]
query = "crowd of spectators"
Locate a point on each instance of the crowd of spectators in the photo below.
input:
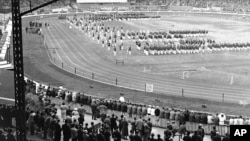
(226, 5)
(47, 121)
(113, 126)
(7, 112)
(134, 110)
(26, 3)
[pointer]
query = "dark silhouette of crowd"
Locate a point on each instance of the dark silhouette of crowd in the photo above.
(7, 112)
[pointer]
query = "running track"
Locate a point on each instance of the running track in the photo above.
(74, 49)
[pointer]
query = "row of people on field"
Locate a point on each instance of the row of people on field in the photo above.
(35, 27)
(229, 45)
(37, 24)
(173, 48)
(118, 16)
(188, 32)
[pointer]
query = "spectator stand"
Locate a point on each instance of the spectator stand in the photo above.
(5, 45)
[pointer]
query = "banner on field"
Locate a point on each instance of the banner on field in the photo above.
(149, 87)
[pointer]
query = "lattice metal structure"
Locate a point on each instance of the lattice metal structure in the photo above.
(18, 66)
(18, 71)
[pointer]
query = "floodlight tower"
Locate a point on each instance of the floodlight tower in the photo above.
(18, 66)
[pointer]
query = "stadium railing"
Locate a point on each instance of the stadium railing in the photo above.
(162, 123)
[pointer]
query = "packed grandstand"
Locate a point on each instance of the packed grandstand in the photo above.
(44, 120)
(235, 6)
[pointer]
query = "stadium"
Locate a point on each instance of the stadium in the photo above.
(184, 65)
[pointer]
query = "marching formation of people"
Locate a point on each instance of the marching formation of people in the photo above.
(189, 32)
(152, 43)
(117, 38)
(119, 16)
(109, 37)
(229, 47)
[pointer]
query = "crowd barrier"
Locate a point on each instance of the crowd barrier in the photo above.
(222, 129)
(162, 123)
